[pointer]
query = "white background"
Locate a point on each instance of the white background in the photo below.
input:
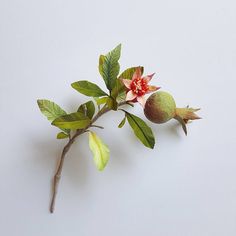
(185, 186)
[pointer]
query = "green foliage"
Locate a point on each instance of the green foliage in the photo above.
(100, 65)
(88, 109)
(122, 122)
(112, 103)
(73, 121)
(109, 67)
(62, 135)
(87, 88)
(50, 109)
(100, 151)
(130, 104)
(142, 131)
(101, 101)
(128, 73)
(119, 90)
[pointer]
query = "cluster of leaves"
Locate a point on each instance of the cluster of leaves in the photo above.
(85, 117)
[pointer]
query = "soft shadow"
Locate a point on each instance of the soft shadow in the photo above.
(172, 128)
(47, 155)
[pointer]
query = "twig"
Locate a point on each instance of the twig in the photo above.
(97, 126)
(57, 175)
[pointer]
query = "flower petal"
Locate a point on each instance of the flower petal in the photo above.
(148, 77)
(137, 74)
(126, 82)
(141, 100)
(130, 96)
(152, 88)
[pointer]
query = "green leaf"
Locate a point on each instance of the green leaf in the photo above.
(88, 109)
(100, 151)
(119, 90)
(130, 104)
(122, 122)
(62, 135)
(50, 109)
(72, 121)
(142, 131)
(101, 101)
(87, 88)
(112, 103)
(109, 67)
(101, 62)
(128, 73)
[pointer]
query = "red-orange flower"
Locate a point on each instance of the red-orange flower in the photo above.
(138, 87)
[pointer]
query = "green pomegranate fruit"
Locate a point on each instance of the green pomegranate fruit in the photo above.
(160, 107)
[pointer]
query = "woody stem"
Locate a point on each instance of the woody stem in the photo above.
(67, 147)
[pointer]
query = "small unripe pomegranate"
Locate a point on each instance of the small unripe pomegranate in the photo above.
(160, 107)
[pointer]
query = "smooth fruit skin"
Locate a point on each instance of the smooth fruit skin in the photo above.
(160, 107)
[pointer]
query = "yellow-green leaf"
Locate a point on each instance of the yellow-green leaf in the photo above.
(128, 73)
(76, 120)
(100, 151)
(50, 109)
(112, 103)
(122, 122)
(100, 65)
(87, 88)
(101, 101)
(62, 135)
(88, 109)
